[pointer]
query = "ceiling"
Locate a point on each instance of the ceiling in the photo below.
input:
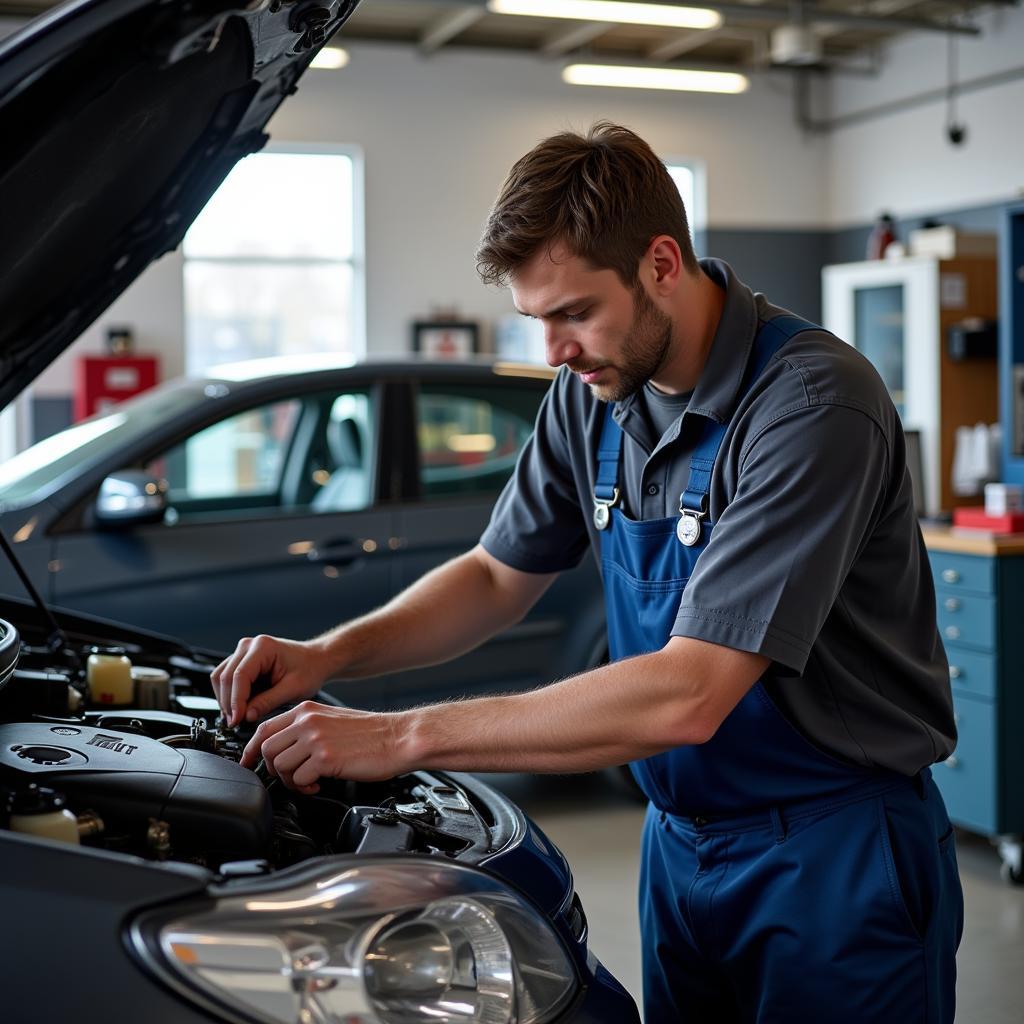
(846, 33)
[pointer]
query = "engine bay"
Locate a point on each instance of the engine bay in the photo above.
(163, 781)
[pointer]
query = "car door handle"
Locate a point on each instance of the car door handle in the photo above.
(340, 552)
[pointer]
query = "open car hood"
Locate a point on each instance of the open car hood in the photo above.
(119, 120)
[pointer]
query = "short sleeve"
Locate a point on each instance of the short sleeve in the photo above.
(808, 494)
(537, 524)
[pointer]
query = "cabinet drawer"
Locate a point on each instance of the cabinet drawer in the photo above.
(963, 572)
(968, 778)
(967, 619)
(971, 672)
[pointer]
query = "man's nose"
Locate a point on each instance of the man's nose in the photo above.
(559, 345)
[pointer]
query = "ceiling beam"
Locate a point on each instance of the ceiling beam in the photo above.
(444, 29)
(568, 39)
(681, 44)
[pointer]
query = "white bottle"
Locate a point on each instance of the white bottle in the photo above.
(41, 812)
(109, 675)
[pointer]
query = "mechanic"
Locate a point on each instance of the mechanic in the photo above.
(777, 679)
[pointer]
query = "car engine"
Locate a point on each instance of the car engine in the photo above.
(163, 781)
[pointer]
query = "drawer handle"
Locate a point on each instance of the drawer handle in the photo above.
(952, 761)
(953, 632)
(950, 576)
(951, 604)
(955, 672)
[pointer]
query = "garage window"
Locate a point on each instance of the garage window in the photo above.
(274, 262)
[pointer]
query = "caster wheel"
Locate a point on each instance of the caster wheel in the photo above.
(1011, 874)
(1011, 849)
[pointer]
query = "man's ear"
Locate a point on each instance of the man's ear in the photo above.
(663, 264)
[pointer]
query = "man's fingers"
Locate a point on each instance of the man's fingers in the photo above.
(265, 702)
(305, 777)
(242, 678)
(252, 752)
(221, 675)
(291, 758)
(223, 671)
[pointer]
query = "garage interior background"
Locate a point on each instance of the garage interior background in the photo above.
(437, 133)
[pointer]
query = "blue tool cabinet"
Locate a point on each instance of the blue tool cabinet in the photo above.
(979, 588)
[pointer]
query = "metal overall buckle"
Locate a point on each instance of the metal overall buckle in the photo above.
(603, 510)
(689, 528)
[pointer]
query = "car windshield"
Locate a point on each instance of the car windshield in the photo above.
(29, 475)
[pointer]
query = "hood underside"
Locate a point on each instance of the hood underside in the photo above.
(119, 120)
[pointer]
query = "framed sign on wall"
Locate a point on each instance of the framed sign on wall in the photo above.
(446, 339)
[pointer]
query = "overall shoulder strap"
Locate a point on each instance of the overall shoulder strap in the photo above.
(608, 449)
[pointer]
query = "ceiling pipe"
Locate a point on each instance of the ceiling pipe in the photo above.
(758, 12)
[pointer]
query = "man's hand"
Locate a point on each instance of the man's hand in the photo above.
(314, 741)
(296, 671)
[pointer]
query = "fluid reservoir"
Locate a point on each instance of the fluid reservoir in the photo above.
(152, 688)
(109, 675)
(38, 811)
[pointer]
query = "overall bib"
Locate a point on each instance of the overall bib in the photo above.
(778, 883)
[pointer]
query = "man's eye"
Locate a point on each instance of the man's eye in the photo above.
(575, 318)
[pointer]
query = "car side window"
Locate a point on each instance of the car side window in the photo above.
(340, 462)
(470, 437)
(232, 464)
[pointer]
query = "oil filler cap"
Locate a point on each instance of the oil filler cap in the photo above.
(48, 755)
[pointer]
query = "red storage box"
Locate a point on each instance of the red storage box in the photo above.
(975, 519)
(103, 381)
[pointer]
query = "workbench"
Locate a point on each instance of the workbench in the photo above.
(979, 587)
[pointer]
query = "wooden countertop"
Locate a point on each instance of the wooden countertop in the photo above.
(972, 542)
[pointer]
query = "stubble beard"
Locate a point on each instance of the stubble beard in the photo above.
(644, 350)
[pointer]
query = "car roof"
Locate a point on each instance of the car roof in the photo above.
(258, 370)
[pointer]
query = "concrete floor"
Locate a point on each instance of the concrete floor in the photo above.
(599, 831)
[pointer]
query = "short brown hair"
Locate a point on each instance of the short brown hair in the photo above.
(604, 196)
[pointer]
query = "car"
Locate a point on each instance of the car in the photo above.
(142, 865)
(284, 496)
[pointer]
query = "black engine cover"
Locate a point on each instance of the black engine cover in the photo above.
(211, 803)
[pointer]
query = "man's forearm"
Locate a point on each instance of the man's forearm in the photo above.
(619, 712)
(449, 611)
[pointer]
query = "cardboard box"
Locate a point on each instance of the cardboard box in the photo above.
(975, 519)
(948, 243)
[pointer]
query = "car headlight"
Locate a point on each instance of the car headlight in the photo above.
(383, 942)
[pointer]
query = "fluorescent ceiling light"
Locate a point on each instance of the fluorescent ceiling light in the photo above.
(615, 11)
(330, 58)
(683, 79)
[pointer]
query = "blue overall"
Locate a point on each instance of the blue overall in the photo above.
(778, 883)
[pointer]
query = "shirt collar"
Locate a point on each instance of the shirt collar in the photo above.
(718, 387)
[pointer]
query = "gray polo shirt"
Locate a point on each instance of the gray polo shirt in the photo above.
(816, 559)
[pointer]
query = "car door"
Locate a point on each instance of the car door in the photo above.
(275, 525)
(468, 434)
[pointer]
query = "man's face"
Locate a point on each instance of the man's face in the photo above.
(615, 338)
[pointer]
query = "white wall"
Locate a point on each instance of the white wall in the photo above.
(903, 161)
(439, 134)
